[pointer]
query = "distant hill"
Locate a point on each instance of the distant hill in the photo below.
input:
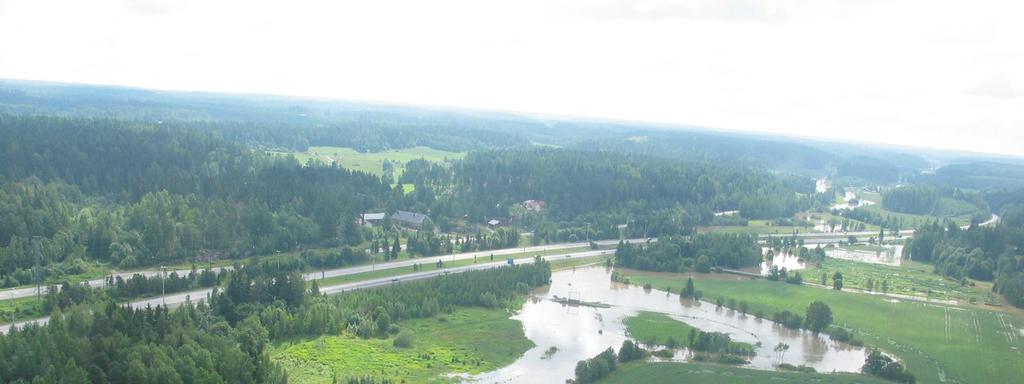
(293, 123)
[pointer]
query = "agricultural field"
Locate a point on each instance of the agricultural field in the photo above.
(703, 373)
(373, 162)
(459, 342)
(910, 278)
(938, 343)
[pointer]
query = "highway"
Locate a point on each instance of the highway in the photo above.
(17, 293)
(176, 299)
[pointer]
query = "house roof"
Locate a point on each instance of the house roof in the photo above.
(373, 216)
(409, 217)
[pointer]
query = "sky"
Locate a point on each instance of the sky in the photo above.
(943, 74)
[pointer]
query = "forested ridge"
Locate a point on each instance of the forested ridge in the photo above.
(603, 188)
(135, 194)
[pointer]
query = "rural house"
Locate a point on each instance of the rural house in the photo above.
(409, 219)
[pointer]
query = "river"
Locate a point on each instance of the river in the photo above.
(580, 332)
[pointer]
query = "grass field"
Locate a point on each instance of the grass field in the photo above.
(700, 373)
(910, 278)
(464, 343)
(373, 162)
(938, 343)
(757, 227)
(646, 326)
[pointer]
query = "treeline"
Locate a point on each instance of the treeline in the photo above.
(981, 253)
(133, 195)
(698, 253)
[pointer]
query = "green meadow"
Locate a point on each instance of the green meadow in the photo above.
(373, 162)
(646, 326)
(938, 343)
(459, 342)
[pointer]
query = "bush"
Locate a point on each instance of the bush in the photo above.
(884, 366)
(403, 340)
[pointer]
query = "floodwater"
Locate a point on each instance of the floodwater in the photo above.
(781, 260)
(892, 255)
(581, 332)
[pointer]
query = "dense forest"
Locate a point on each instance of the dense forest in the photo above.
(690, 253)
(924, 199)
(136, 195)
(604, 188)
(980, 253)
(226, 342)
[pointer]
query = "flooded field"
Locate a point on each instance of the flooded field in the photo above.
(887, 255)
(580, 332)
(780, 260)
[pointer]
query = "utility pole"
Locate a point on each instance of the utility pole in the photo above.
(163, 290)
(39, 268)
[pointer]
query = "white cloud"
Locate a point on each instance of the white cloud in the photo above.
(890, 71)
(999, 85)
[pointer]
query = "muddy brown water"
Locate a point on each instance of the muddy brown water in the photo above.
(582, 332)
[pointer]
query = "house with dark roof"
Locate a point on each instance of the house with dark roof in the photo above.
(409, 219)
(371, 219)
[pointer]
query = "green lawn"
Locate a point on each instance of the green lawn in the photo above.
(646, 326)
(464, 343)
(373, 162)
(701, 373)
(969, 345)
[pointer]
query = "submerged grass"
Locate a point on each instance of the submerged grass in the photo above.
(937, 342)
(704, 373)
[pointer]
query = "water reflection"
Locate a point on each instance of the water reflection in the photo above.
(580, 332)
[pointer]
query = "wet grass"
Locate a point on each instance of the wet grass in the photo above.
(702, 373)
(936, 341)
(656, 327)
(461, 342)
(910, 278)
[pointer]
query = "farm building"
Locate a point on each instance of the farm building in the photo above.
(409, 219)
(371, 219)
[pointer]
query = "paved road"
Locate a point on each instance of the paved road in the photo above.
(17, 293)
(832, 237)
(176, 299)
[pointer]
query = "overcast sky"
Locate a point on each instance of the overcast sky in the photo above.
(946, 74)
